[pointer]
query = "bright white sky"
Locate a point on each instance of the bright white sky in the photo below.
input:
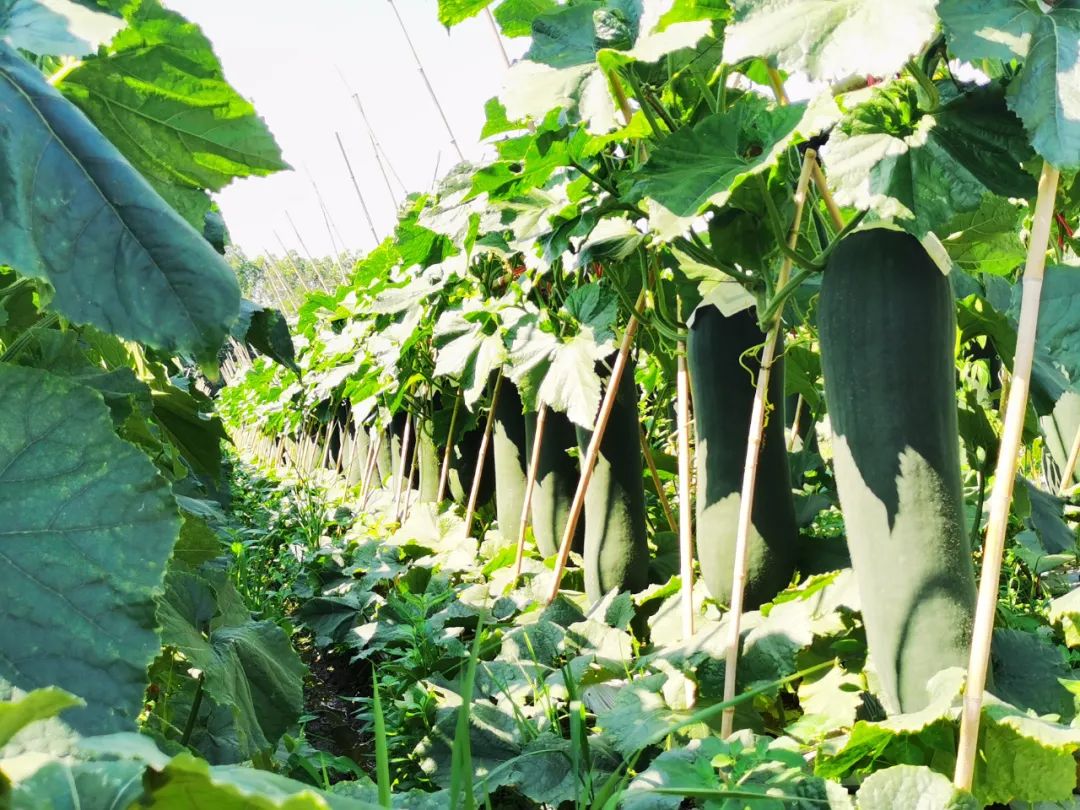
(284, 56)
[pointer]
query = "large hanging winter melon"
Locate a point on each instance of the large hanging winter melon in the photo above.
(887, 326)
(722, 354)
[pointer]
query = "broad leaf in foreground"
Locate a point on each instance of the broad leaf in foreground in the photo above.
(1046, 94)
(24, 709)
(160, 97)
(1021, 757)
(1057, 339)
(77, 215)
(701, 166)
(249, 667)
(452, 12)
(120, 771)
(86, 528)
(56, 27)
(924, 170)
(912, 786)
(830, 39)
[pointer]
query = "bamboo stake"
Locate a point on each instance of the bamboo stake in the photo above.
(498, 36)
(427, 83)
(1004, 479)
(593, 451)
(359, 193)
(686, 529)
(654, 473)
(444, 473)
(795, 423)
(435, 174)
(827, 197)
(373, 455)
(1070, 467)
(307, 253)
(271, 283)
(777, 84)
(381, 158)
(330, 228)
(474, 493)
(272, 268)
(753, 450)
(412, 473)
(530, 484)
(288, 257)
(406, 439)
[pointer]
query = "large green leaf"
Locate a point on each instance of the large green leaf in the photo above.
(701, 166)
(56, 27)
(515, 17)
(195, 433)
(830, 39)
(924, 170)
(575, 46)
(24, 709)
(987, 239)
(451, 12)
(988, 29)
(912, 786)
(1057, 339)
(1046, 94)
(121, 771)
(266, 330)
(159, 95)
(76, 214)
(249, 667)
(86, 527)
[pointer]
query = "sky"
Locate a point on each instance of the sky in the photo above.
(289, 58)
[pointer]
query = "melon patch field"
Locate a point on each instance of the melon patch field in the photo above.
(710, 442)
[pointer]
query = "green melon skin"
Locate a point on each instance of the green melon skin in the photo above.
(556, 479)
(511, 459)
(357, 447)
(1059, 430)
(463, 467)
(616, 550)
(428, 463)
(887, 327)
(384, 457)
(723, 381)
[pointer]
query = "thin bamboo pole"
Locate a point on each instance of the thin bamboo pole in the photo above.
(272, 268)
(359, 193)
(412, 473)
(427, 82)
(686, 529)
(530, 485)
(381, 158)
(795, 423)
(777, 84)
(330, 228)
(307, 253)
(826, 196)
(498, 35)
(271, 282)
(753, 450)
(593, 451)
(435, 174)
(474, 493)
(1004, 479)
(288, 257)
(406, 440)
(373, 455)
(654, 473)
(444, 472)
(1070, 467)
